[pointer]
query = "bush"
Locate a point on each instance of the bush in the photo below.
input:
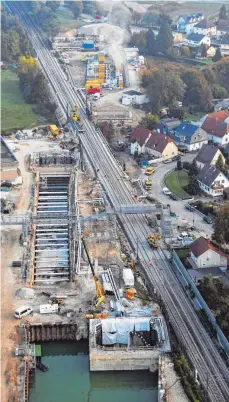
(186, 165)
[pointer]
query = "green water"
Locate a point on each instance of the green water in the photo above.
(69, 379)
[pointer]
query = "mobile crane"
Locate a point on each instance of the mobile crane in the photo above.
(100, 298)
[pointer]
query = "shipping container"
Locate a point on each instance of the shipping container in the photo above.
(88, 44)
(48, 308)
(93, 90)
(128, 277)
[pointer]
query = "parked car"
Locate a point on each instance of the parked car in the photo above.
(207, 219)
(166, 191)
(174, 197)
(176, 157)
(189, 208)
(167, 161)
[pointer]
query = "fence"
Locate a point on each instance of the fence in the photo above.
(180, 267)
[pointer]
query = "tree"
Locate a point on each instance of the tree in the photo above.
(223, 13)
(54, 5)
(209, 75)
(220, 163)
(221, 225)
(138, 39)
(177, 112)
(136, 17)
(150, 18)
(163, 87)
(164, 19)
(76, 7)
(193, 186)
(164, 38)
(198, 91)
(193, 169)
(179, 165)
(149, 121)
(217, 56)
(219, 92)
(203, 50)
(151, 42)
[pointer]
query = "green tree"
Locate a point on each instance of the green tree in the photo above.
(151, 42)
(179, 165)
(223, 13)
(164, 38)
(149, 121)
(217, 56)
(193, 169)
(164, 87)
(150, 18)
(221, 225)
(209, 75)
(76, 7)
(164, 19)
(193, 186)
(203, 50)
(219, 92)
(220, 163)
(54, 5)
(198, 92)
(138, 39)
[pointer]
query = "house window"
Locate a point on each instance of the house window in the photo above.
(223, 181)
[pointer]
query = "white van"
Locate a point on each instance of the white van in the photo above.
(112, 306)
(22, 311)
(183, 235)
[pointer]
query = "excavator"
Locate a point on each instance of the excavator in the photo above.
(100, 298)
(75, 115)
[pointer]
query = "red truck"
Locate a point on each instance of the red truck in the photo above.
(93, 90)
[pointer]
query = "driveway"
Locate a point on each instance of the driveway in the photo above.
(177, 206)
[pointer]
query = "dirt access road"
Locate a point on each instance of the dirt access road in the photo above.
(11, 277)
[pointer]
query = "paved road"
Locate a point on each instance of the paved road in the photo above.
(177, 206)
(201, 349)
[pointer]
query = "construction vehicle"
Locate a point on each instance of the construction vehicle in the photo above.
(75, 108)
(152, 242)
(100, 298)
(150, 170)
(54, 130)
(154, 236)
(75, 116)
(98, 315)
(148, 184)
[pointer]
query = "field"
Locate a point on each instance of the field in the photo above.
(16, 114)
(209, 8)
(176, 181)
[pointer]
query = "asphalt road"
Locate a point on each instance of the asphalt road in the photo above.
(177, 206)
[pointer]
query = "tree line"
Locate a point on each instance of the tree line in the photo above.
(167, 84)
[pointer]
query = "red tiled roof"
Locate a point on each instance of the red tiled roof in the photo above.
(199, 246)
(215, 123)
(140, 134)
(158, 142)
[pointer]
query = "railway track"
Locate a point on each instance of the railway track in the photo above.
(200, 347)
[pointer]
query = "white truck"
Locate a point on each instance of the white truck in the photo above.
(128, 277)
(48, 308)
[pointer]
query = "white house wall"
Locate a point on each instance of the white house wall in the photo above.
(219, 140)
(209, 259)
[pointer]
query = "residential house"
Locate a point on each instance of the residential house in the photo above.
(185, 23)
(205, 255)
(9, 164)
(196, 40)
(208, 154)
(167, 125)
(223, 44)
(226, 151)
(222, 28)
(161, 146)
(132, 97)
(210, 52)
(138, 139)
(189, 136)
(212, 181)
(216, 125)
(205, 27)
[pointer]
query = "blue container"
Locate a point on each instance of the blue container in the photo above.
(88, 44)
(144, 163)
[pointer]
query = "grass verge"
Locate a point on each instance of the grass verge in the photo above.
(176, 181)
(67, 20)
(16, 114)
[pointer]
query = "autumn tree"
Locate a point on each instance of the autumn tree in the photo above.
(221, 225)
(223, 13)
(149, 121)
(185, 51)
(203, 50)
(198, 91)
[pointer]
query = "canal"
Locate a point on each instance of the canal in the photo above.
(69, 379)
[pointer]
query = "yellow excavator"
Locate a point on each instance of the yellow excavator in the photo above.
(100, 298)
(75, 115)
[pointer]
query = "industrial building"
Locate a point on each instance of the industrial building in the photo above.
(132, 97)
(9, 164)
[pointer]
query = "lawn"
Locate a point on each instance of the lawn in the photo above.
(16, 114)
(194, 116)
(176, 181)
(67, 20)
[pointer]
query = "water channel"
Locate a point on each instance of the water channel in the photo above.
(69, 379)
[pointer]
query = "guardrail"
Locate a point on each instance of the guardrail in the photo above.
(177, 264)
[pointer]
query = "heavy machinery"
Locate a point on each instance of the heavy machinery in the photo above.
(75, 108)
(152, 242)
(100, 298)
(75, 116)
(150, 170)
(54, 131)
(148, 184)
(154, 236)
